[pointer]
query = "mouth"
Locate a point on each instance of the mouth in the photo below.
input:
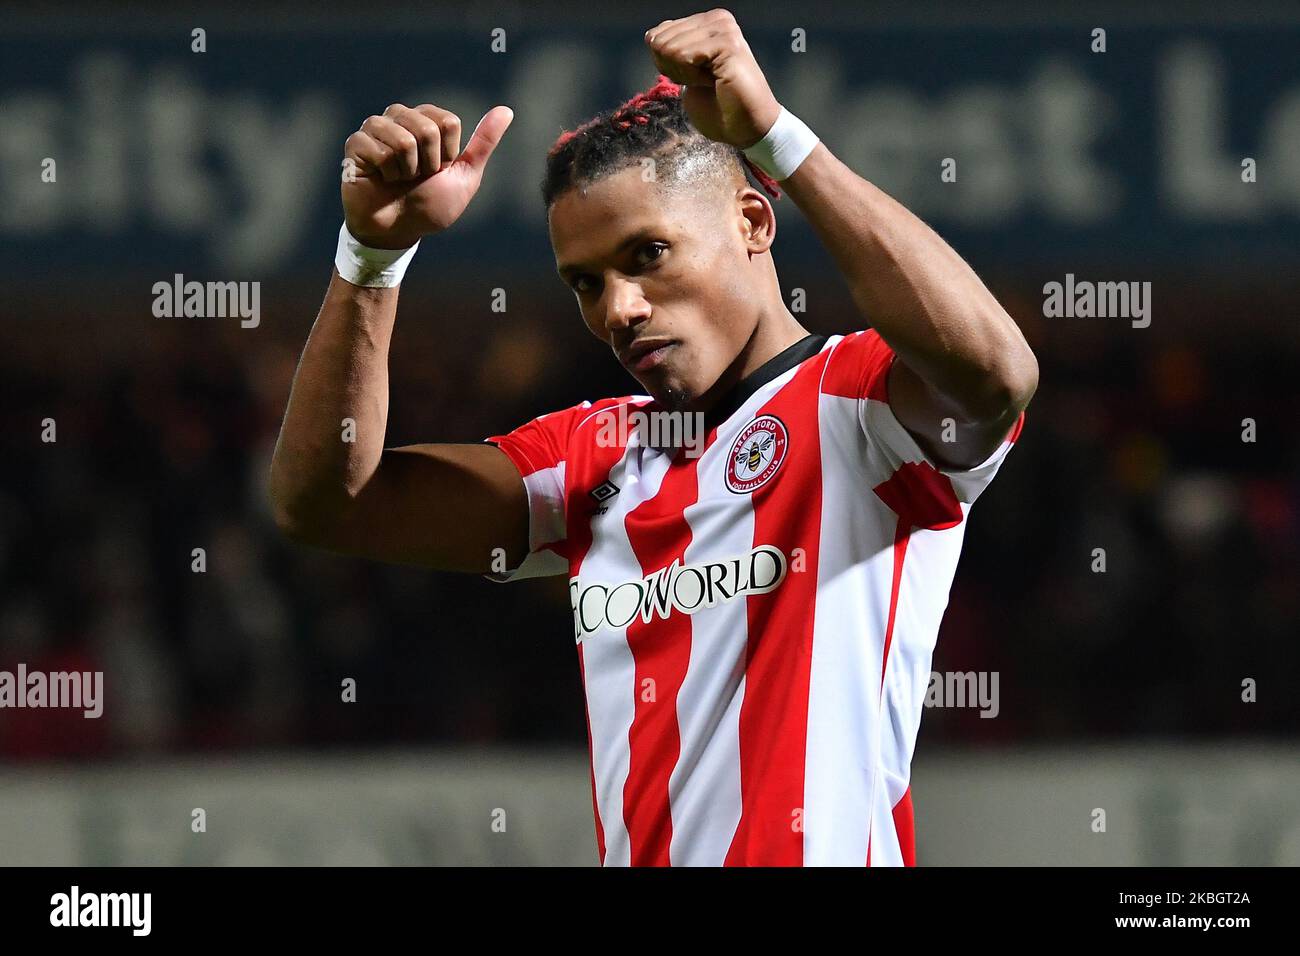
(643, 355)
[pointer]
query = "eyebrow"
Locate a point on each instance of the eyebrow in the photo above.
(568, 269)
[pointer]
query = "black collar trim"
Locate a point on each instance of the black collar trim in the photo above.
(777, 365)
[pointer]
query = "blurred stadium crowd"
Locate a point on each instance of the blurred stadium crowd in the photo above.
(164, 433)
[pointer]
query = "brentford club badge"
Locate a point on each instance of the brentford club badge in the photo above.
(756, 454)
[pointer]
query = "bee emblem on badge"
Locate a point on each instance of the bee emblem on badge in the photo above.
(752, 457)
(756, 454)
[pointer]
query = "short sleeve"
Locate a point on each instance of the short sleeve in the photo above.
(893, 455)
(539, 450)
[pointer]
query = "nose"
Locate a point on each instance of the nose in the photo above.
(626, 305)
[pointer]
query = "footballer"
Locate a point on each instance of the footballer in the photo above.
(754, 613)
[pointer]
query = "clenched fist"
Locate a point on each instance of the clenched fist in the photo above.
(726, 98)
(404, 175)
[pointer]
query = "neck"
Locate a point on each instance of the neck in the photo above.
(776, 330)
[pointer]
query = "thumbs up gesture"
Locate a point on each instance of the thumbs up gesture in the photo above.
(405, 176)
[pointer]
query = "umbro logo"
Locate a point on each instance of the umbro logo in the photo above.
(604, 491)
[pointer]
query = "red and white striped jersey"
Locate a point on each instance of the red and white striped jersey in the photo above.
(755, 623)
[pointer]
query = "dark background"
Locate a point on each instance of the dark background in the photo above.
(165, 426)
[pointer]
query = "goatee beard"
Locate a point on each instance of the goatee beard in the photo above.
(675, 399)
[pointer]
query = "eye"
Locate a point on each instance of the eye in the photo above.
(576, 284)
(657, 247)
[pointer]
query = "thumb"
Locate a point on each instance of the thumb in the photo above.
(487, 134)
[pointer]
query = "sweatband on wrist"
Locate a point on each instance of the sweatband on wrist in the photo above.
(786, 145)
(374, 268)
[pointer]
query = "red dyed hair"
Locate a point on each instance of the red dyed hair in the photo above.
(633, 113)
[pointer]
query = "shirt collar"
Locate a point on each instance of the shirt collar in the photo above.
(777, 365)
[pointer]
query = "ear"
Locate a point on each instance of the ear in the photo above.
(756, 219)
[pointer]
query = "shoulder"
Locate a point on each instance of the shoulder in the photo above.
(858, 366)
(543, 442)
(568, 422)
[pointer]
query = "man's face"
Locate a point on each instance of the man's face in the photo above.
(661, 275)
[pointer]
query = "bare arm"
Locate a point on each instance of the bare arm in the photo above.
(439, 506)
(961, 356)
(442, 506)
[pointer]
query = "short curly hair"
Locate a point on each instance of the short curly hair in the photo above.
(651, 124)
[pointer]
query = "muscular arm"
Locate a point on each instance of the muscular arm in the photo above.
(960, 355)
(439, 506)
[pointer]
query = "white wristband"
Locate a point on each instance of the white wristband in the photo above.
(374, 268)
(786, 145)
